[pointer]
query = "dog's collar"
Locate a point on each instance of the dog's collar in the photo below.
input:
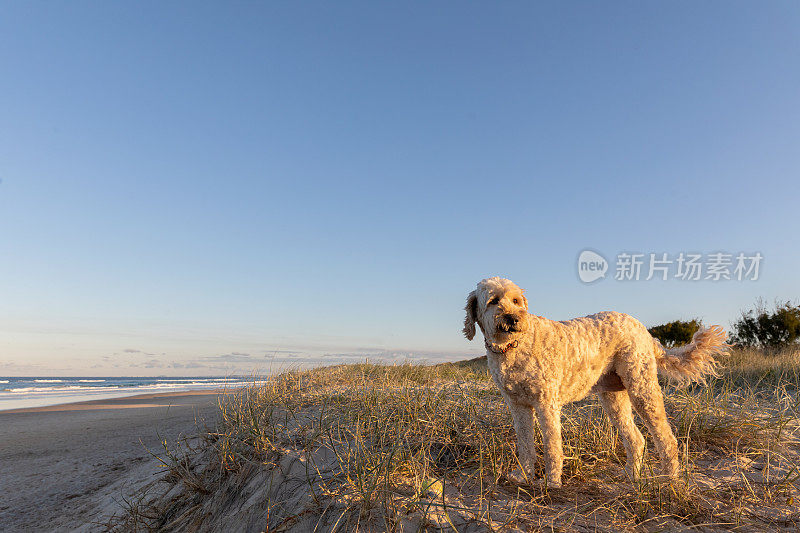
(498, 350)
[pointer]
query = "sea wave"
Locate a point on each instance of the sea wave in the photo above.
(20, 390)
(91, 380)
(221, 380)
(48, 381)
(150, 387)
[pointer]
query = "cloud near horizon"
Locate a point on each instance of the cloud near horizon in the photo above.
(132, 361)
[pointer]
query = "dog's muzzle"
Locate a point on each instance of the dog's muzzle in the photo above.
(508, 323)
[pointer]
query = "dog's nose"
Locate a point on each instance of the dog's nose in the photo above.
(510, 320)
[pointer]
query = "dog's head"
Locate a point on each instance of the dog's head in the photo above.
(499, 308)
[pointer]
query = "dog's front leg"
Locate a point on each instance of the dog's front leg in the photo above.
(526, 449)
(549, 414)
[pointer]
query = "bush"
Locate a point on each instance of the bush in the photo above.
(675, 333)
(762, 328)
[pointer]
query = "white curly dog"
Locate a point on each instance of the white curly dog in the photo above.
(540, 365)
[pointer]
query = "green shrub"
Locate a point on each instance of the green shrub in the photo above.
(768, 329)
(675, 333)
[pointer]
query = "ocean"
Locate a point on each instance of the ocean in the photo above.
(18, 392)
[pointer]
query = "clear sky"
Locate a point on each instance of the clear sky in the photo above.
(203, 188)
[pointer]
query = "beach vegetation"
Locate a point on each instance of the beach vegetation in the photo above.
(411, 447)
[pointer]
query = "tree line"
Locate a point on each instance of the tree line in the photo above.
(758, 327)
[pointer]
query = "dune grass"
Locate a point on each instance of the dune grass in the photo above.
(408, 447)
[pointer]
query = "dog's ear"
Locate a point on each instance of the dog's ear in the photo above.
(472, 315)
(525, 301)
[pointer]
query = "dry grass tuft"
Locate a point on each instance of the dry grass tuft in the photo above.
(409, 447)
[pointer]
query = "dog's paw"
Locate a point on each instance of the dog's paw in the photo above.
(519, 477)
(545, 485)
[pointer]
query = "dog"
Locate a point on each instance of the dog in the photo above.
(540, 365)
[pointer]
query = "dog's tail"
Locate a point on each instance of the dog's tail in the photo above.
(693, 361)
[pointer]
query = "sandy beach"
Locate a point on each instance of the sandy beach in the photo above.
(66, 467)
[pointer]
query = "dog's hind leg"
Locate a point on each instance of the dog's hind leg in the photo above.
(526, 448)
(618, 408)
(648, 400)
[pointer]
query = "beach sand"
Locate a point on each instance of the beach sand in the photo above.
(66, 467)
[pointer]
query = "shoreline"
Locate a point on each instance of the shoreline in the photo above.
(109, 403)
(68, 467)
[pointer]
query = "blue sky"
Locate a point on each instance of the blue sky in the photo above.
(198, 188)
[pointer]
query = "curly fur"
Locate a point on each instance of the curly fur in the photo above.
(694, 361)
(540, 365)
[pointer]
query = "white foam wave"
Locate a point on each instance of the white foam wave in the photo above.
(43, 389)
(195, 380)
(88, 389)
(48, 381)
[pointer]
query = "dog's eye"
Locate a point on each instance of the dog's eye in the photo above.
(516, 301)
(494, 301)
